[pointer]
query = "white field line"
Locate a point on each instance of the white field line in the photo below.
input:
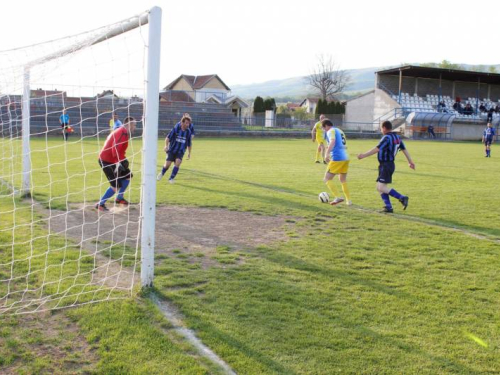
(171, 314)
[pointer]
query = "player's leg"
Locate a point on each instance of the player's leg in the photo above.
(385, 177)
(110, 173)
(345, 189)
(124, 177)
(167, 164)
(177, 165)
(318, 151)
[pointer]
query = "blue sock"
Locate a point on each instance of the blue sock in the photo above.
(108, 194)
(174, 172)
(124, 186)
(163, 170)
(387, 200)
(395, 194)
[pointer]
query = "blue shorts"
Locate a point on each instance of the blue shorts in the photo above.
(385, 172)
(488, 141)
(173, 156)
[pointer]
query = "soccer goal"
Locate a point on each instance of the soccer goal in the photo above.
(59, 102)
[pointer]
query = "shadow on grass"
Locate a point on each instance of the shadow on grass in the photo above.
(278, 189)
(272, 201)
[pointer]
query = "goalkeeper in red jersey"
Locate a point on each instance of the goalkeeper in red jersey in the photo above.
(115, 165)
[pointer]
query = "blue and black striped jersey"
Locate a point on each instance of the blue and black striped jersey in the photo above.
(389, 146)
(179, 140)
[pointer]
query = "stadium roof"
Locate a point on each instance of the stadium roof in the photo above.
(446, 74)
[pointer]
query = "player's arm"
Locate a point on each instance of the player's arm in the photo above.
(313, 133)
(368, 153)
(167, 141)
(411, 164)
(331, 145)
(189, 145)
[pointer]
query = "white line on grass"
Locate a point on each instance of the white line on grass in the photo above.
(173, 317)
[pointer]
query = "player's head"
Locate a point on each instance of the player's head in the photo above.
(64, 111)
(321, 117)
(326, 124)
(386, 127)
(115, 116)
(185, 122)
(130, 123)
(187, 116)
(490, 124)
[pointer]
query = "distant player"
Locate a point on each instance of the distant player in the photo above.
(64, 121)
(114, 123)
(488, 135)
(338, 159)
(114, 163)
(318, 136)
(387, 149)
(176, 143)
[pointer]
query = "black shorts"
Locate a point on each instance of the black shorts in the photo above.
(488, 142)
(172, 156)
(385, 172)
(114, 177)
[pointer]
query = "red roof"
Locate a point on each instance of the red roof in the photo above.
(176, 96)
(196, 82)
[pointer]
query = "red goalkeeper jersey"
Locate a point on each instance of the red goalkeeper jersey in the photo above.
(115, 146)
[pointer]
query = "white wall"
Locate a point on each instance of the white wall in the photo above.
(360, 109)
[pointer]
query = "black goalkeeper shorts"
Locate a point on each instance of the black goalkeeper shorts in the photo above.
(113, 175)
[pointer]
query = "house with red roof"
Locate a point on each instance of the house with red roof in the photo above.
(202, 89)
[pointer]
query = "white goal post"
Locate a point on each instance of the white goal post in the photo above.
(26, 180)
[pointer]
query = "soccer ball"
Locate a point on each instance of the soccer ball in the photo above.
(324, 197)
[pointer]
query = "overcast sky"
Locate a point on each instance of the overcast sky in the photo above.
(255, 41)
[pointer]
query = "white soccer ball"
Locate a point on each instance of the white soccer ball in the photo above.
(324, 197)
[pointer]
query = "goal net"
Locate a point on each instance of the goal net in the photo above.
(59, 102)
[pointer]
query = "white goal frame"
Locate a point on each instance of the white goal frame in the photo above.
(150, 128)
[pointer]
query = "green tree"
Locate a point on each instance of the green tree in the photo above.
(492, 69)
(269, 104)
(258, 105)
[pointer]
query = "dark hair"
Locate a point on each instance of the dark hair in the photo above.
(129, 119)
(326, 122)
(387, 125)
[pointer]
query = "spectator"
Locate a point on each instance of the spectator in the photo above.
(441, 107)
(468, 110)
(489, 118)
(497, 109)
(458, 107)
(430, 131)
(482, 108)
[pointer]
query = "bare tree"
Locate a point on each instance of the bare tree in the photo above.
(328, 78)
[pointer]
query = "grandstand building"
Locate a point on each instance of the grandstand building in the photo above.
(456, 102)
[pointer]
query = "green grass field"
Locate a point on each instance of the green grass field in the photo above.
(351, 290)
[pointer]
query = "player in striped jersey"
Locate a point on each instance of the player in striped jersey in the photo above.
(488, 135)
(386, 150)
(338, 159)
(176, 143)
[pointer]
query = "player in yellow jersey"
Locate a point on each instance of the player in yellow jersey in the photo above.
(318, 136)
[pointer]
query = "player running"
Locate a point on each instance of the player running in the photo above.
(176, 143)
(318, 136)
(115, 165)
(488, 135)
(387, 149)
(338, 159)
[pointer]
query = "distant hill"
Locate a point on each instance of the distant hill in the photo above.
(297, 88)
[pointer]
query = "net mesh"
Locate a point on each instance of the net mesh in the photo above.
(56, 250)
